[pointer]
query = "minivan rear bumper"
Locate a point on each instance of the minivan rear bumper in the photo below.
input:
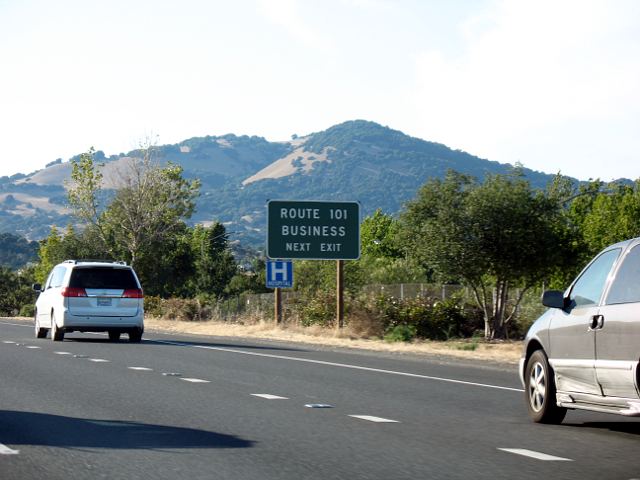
(85, 323)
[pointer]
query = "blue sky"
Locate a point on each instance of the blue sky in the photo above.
(551, 84)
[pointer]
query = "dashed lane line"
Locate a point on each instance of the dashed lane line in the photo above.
(537, 455)
(342, 365)
(63, 353)
(370, 418)
(268, 396)
(4, 450)
(195, 380)
(99, 360)
(141, 369)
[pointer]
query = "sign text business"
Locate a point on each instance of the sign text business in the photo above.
(313, 230)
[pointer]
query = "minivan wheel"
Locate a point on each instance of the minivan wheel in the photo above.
(540, 390)
(114, 336)
(57, 334)
(135, 335)
(40, 332)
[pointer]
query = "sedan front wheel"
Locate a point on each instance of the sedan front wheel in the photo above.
(540, 390)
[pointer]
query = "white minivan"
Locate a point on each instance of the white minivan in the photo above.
(90, 296)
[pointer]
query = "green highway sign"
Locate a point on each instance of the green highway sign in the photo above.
(313, 230)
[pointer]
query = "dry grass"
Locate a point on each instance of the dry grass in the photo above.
(505, 352)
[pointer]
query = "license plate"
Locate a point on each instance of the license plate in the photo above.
(104, 302)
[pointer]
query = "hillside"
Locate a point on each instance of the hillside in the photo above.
(355, 160)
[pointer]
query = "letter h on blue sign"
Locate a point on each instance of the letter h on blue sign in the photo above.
(279, 272)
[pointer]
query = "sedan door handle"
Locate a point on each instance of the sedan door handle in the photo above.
(597, 322)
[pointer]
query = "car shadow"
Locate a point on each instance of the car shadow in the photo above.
(27, 428)
(631, 427)
(177, 343)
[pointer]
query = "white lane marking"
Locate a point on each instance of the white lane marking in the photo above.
(8, 341)
(99, 360)
(268, 396)
(63, 353)
(332, 364)
(374, 419)
(4, 450)
(195, 380)
(537, 455)
(32, 346)
(318, 405)
(141, 369)
(344, 365)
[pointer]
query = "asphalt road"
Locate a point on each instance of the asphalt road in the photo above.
(190, 407)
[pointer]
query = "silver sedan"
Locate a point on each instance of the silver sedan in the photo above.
(583, 353)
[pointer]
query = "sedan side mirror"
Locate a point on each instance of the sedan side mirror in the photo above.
(37, 287)
(553, 299)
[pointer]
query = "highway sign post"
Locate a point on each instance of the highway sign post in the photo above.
(315, 230)
(279, 275)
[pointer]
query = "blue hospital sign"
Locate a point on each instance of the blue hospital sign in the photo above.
(279, 274)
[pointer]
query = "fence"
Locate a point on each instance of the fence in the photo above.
(413, 290)
(261, 305)
(256, 305)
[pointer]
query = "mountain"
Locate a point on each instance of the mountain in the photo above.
(355, 160)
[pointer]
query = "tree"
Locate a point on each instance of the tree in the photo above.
(83, 193)
(149, 207)
(141, 222)
(493, 237)
(614, 216)
(58, 247)
(383, 260)
(378, 236)
(15, 290)
(213, 261)
(252, 281)
(16, 251)
(597, 215)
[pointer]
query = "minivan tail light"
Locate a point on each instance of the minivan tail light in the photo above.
(73, 292)
(132, 293)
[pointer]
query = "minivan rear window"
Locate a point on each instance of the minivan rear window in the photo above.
(103, 277)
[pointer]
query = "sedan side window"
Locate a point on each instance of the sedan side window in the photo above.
(626, 286)
(588, 288)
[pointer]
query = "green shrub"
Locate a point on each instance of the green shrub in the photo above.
(27, 310)
(432, 318)
(153, 306)
(182, 309)
(318, 310)
(472, 346)
(401, 333)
